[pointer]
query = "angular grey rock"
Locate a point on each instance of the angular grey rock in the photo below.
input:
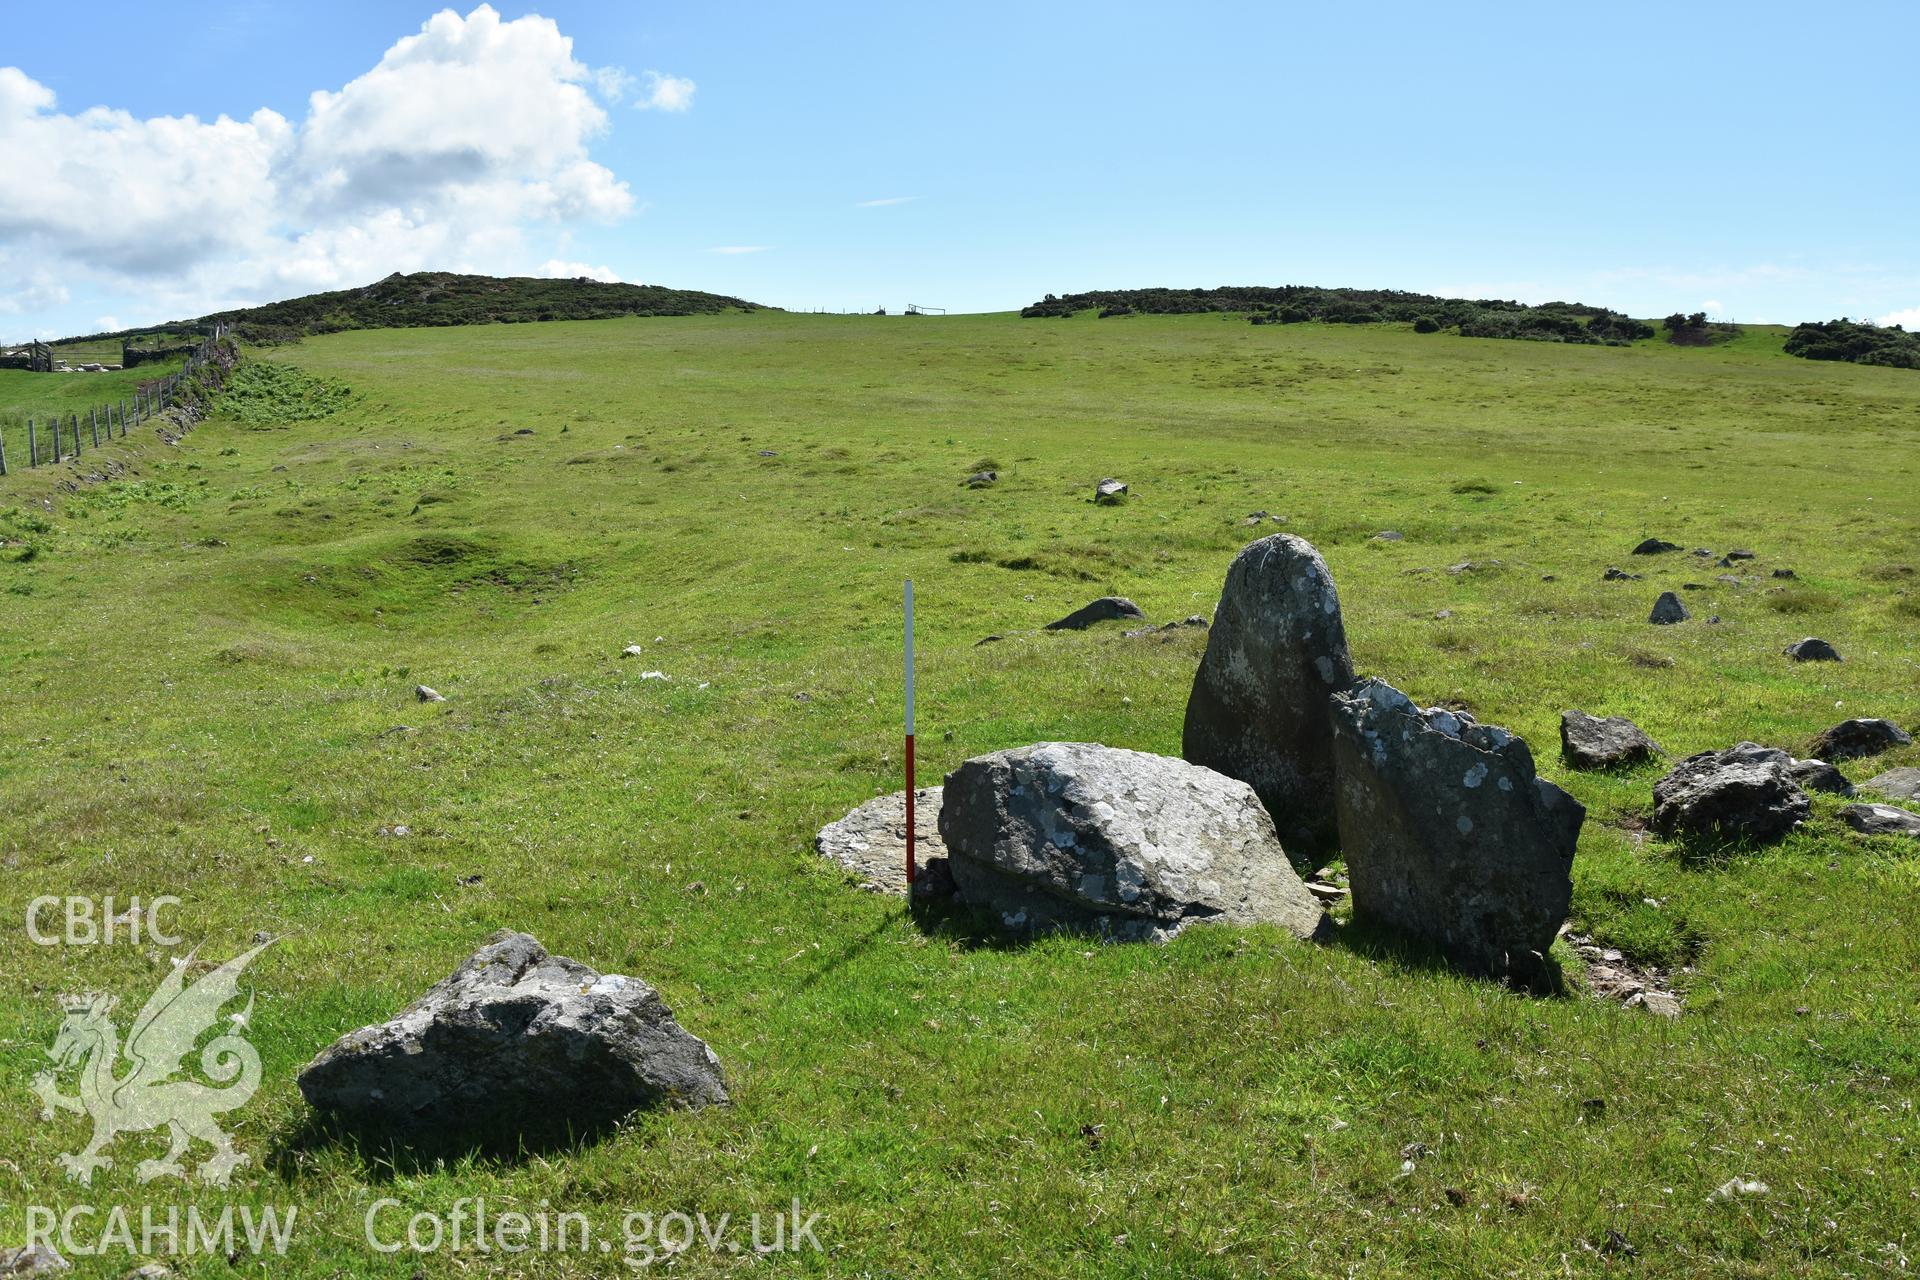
(871, 843)
(1746, 792)
(1785, 573)
(515, 1042)
(1818, 775)
(424, 694)
(1603, 742)
(1668, 610)
(1067, 835)
(1881, 820)
(1655, 546)
(1739, 555)
(1258, 711)
(982, 480)
(1449, 834)
(1853, 739)
(1615, 573)
(1812, 649)
(1110, 491)
(1895, 784)
(1389, 535)
(1105, 609)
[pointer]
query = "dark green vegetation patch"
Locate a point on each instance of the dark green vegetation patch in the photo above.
(265, 394)
(1858, 343)
(1296, 304)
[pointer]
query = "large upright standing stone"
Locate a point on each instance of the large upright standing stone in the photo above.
(1258, 711)
(1448, 833)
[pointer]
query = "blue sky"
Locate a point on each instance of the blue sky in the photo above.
(1751, 160)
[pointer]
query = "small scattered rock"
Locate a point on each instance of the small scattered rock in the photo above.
(1739, 1188)
(515, 1039)
(1705, 553)
(424, 694)
(1105, 609)
(1591, 742)
(1389, 535)
(1073, 835)
(1812, 649)
(32, 1260)
(1616, 574)
(985, 640)
(982, 480)
(1818, 775)
(1744, 792)
(1895, 784)
(632, 651)
(1881, 820)
(1854, 739)
(1655, 546)
(1110, 491)
(1191, 622)
(1739, 555)
(1668, 610)
(1785, 573)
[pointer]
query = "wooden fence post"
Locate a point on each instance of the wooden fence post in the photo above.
(33, 446)
(3, 453)
(74, 426)
(93, 420)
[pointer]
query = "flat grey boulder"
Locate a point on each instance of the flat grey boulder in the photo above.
(1895, 784)
(1668, 610)
(515, 1042)
(1655, 546)
(1105, 609)
(1812, 649)
(1852, 739)
(1110, 491)
(1077, 836)
(1746, 792)
(1450, 835)
(982, 480)
(1881, 820)
(871, 843)
(1258, 709)
(1603, 742)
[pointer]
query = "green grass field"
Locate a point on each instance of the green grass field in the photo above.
(206, 676)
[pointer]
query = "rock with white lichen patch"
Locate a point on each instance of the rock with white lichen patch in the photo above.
(1449, 834)
(1076, 836)
(1258, 710)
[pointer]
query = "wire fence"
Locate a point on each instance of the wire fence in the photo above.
(65, 437)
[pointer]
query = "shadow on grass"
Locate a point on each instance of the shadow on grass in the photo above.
(385, 1155)
(1534, 975)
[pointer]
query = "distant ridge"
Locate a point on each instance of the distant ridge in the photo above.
(1298, 304)
(430, 298)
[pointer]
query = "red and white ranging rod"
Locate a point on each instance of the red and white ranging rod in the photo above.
(910, 867)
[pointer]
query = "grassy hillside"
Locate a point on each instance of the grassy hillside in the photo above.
(206, 676)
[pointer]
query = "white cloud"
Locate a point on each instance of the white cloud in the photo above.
(1712, 307)
(1907, 319)
(882, 203)
(465, 138)
(666, 93)
(739, 248)
(108, 324)
(555, 269)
